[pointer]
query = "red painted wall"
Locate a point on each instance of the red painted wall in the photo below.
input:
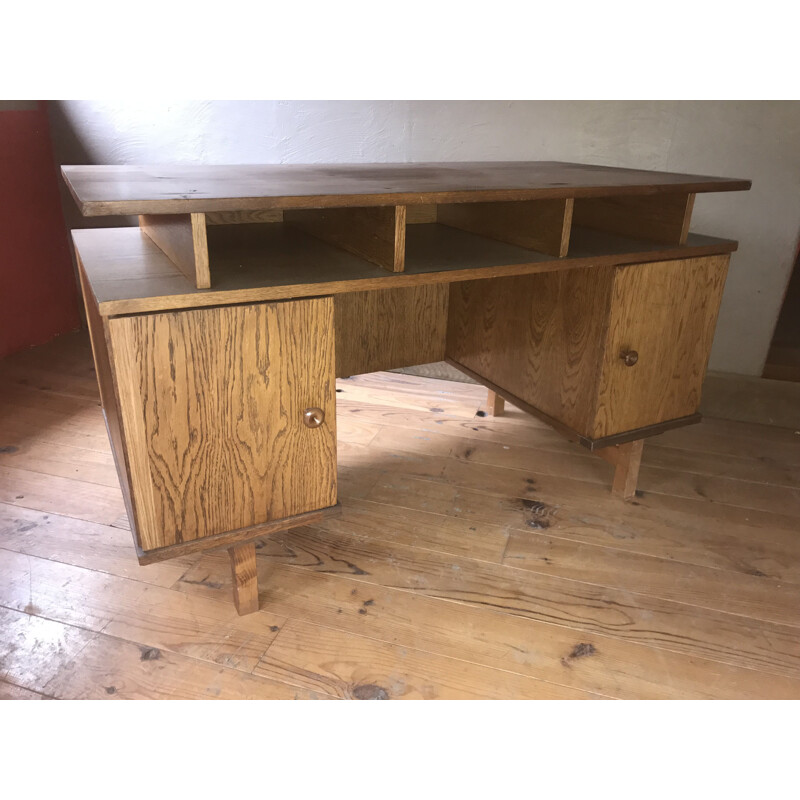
(38, 294)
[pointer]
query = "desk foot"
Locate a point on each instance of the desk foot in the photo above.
(497, 404)
(245, 577)
(626, 459)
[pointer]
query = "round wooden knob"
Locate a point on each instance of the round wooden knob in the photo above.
(630, 357)
(313, 417)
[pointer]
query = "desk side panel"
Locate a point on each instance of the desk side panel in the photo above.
(538, 337)
(108, 395)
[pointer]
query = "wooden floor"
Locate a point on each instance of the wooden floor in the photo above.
(474, 558)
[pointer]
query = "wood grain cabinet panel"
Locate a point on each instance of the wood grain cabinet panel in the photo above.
(212, 403)
(389, 328)
(599, 351)
(665, 313)
(539, 337)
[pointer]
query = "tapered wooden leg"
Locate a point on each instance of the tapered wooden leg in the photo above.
(626, 459)
(496, 404)
(245, 577)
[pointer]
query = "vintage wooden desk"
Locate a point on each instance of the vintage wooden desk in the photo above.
(219, 325)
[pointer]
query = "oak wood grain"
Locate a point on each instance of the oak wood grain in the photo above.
(542, 225)
(376, 234)
(183, 238)
(667, 313)
(570, 433)
(212, 405)
(538, 336)
(554, 343)
(389, 328)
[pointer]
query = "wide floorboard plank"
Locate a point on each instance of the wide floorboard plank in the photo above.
(453, 461)
(474, 557)
(204, 628)
(592, 663)
(33, 650)
(356, 667)
(748, 595)
(48, 458)
(74, 498)
(765, 546)
(361, 468)
(583, 607)
(9, 691)
(114, 669)
(103, 548)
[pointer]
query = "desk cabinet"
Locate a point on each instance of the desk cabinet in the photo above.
(220, 324)
(661, 321)
(602, 353)
(226, 417)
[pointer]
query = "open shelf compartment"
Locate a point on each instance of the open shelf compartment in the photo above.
(532, 231)
(275, 261)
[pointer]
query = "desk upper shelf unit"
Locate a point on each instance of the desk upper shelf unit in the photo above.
(313, 227)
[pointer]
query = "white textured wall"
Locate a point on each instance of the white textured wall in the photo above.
(757, 140)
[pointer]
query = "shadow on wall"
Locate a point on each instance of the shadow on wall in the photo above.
(38, 292)
(70, 148)
(783, 361)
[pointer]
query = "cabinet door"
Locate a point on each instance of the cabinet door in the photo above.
(212, 403)
(664, 313)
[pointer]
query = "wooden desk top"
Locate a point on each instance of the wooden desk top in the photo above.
(109, 190)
